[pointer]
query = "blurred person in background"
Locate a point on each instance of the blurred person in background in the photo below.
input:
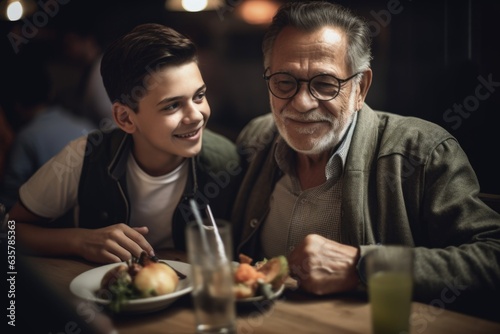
(45, 127)
(82, 50)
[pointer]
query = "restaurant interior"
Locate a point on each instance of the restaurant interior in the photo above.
(437, 60)
(430, 58)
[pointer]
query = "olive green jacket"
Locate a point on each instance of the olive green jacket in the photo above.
(406, 181)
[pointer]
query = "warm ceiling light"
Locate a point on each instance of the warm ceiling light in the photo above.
(14, 11)
(192, 5)
(258, 11)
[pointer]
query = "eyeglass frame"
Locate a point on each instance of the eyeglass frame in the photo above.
(298, 81)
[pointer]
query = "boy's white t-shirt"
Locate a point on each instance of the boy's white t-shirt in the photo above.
(153, 200)
(53, 190)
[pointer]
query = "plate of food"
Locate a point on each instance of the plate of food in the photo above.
(138, 286)
(261, 281)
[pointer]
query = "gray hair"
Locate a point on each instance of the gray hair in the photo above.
(312, 15)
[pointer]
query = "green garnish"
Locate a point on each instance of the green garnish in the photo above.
(122, 291)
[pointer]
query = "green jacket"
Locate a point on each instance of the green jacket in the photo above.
(406, 181)
(102, 191)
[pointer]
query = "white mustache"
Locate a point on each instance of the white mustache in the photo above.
(306, 117)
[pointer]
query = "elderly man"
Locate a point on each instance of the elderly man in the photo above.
(328, 178)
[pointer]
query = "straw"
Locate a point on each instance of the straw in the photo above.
(197, 216)
(220, 244)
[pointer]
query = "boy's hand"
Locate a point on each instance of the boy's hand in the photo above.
(114, 243)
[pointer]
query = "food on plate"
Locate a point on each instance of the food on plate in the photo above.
(138, 278)
(260, 279)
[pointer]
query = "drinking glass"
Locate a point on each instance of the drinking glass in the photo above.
(209, 254)
(389, 271)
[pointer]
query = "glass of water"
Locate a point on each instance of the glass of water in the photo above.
(210, 256)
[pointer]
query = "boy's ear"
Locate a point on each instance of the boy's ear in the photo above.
(124, 117)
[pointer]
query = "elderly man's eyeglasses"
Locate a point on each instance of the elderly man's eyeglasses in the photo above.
(324, 87)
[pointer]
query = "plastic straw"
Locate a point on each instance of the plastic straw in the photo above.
(197, 217)
(220, 244)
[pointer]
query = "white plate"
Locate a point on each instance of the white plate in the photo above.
(86, 284)
(260, 298)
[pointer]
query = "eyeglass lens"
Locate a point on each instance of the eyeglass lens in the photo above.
(322, 87)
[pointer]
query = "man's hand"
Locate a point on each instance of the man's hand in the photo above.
(113, 243)
(322, 266)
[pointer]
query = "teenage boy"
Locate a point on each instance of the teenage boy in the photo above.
(130, 186)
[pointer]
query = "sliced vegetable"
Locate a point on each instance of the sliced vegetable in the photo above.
(260, 279)
(275, 271)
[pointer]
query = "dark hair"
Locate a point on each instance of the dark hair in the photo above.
(312, 15)
(130, 60)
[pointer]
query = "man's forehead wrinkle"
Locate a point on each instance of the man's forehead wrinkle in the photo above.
(307, 55)
(327, 42)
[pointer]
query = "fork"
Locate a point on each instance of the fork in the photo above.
(179, 274)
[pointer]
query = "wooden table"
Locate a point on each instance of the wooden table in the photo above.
(293, 312)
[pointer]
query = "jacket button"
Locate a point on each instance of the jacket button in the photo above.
(254, 223)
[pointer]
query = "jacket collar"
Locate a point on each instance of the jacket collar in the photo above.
(364, 141)
(360, 160)
(118, 164)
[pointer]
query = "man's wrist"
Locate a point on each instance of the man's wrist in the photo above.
(361, 266)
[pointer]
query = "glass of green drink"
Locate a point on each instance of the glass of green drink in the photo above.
(389, 271)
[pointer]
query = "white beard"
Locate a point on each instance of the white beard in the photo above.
(326, 142)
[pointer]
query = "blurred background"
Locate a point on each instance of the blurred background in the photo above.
(438, 60)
